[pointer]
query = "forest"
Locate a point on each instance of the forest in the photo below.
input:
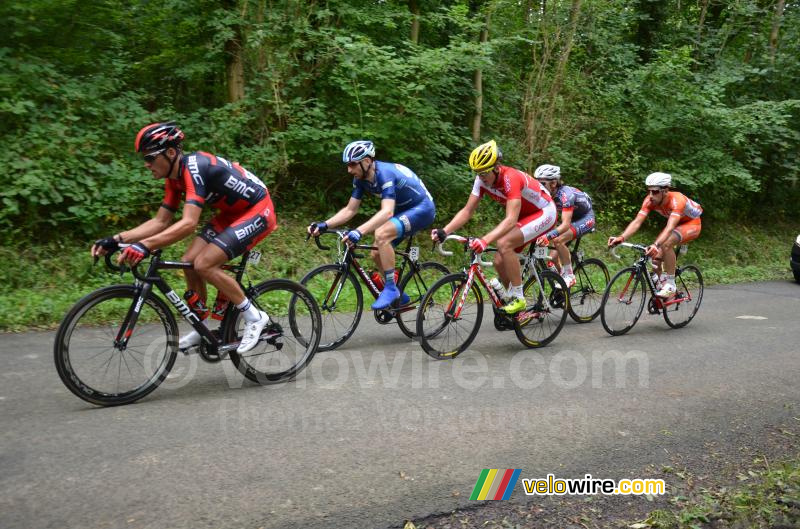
(608, 90)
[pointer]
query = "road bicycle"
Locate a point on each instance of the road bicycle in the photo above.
(337, 289)
(118, 343)
(452, 310)
(624, 298)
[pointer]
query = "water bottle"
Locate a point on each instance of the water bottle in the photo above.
(498, 288)
(377, 278)
(220, 306)
(195, 303)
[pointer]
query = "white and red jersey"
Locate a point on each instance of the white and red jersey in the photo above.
(514, 184)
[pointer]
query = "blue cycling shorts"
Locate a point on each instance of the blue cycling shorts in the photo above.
(412, 220)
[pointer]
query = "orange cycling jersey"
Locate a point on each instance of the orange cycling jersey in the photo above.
(674, 204)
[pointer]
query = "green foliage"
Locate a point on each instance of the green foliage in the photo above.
(645, 87)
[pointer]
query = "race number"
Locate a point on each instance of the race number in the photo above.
(254, 258)
(541, 252)
(413, 253)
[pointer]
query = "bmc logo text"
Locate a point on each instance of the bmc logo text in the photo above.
(256, 225)
(194, 170)
(239, 186)
(181, 306)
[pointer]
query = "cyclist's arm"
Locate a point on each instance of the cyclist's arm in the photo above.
(463, 216)
(672, 223)
(380, 218)
(177, 231)
(157, 224)
(566, 220)
(513, 207)
(633, 227)
(344, 214)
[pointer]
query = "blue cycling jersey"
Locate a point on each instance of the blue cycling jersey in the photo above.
(573, 199)
(394, 181)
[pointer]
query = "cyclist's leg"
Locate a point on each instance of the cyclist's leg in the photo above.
(194, 282)
(682, 234)
(577, 228)
(244, 233)
(403, 224)
(528, 229)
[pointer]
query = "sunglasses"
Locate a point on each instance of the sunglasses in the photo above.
(485, 174)
(150, 157)
(655, 191)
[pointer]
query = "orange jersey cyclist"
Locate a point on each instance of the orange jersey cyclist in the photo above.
(577, 216)
(406, 208)
(530, 213)
(246, 215)
(683, 225)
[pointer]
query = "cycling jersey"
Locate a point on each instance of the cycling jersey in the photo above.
(396, 182)
(246, 214)
(674, 204)
(514, 184)
(568, 198)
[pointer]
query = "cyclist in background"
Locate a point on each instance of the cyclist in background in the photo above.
(577, 216)
(683, 225)
(406, 207)
(246, 215)
(530, 213)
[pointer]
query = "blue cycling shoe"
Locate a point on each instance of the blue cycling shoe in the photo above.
(388, 296)
(404, 299)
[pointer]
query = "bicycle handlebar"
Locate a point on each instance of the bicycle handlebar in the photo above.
(465, 241)
(637, 247)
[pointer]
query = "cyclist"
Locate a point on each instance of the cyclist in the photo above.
(577, 216)
(406, 207)
(683, 225)
(530, 212)
(246, 215)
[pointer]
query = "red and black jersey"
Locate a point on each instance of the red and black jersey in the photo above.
(208, 179)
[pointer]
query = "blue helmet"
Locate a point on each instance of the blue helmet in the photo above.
(358, 150)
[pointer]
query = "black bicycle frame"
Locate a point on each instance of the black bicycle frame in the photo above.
(145, 285)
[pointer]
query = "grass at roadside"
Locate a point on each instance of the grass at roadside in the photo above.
(39, 283)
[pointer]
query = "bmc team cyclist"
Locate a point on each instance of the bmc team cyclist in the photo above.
(530, 212)
(577, 216)
(406, 207)
(246, 216)
(683, 225)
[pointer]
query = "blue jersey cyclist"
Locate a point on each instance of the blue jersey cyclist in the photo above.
(577, 216)
(406, 208)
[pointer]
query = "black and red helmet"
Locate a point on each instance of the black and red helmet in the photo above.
(158, 136)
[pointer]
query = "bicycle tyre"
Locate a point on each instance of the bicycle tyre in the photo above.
(628, 276)
(525, 324)
(291, 307)
(689, 281)
(335, 330)
(416, 285)
(65, 351)
(586, 295)
(431, 325)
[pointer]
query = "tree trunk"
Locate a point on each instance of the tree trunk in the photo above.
(413, 6)
(478, 85)
(234, 60)
(776, 25)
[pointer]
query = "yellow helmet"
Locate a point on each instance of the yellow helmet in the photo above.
(485, 156)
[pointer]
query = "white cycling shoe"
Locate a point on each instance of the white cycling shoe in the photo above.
(189, 340)
(667, 290)
(252, 331)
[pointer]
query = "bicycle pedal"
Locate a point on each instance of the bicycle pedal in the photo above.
(191, 350)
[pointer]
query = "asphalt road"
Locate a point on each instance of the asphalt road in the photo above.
(377, 432)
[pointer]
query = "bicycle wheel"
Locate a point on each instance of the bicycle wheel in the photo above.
(98, 372)
(591, 278)
(687, 300)
(623, 301)
(288, 342)
(441, 333)
(416, 285)
(340, 300)
(541, 321)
